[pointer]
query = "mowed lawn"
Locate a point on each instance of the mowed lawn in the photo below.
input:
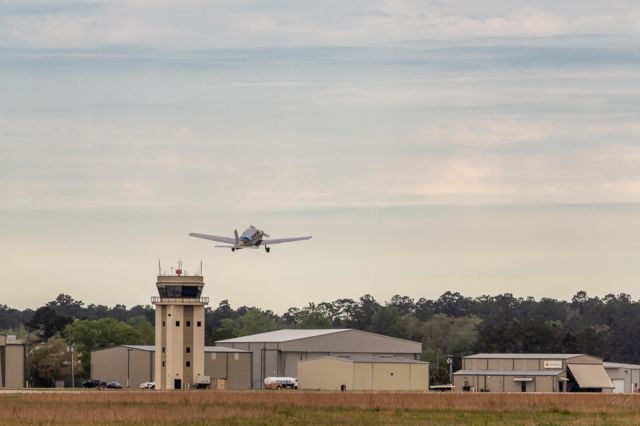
(297, 407)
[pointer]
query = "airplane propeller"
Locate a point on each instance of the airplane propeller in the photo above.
(264, 234)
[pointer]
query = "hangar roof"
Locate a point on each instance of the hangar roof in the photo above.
(284, 335)
(207, 349)
(339, 340)
(523, 356)
(508, 372)
(619, 365)
(376, 359)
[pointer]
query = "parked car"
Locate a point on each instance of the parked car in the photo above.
(92, 383)
(148, 385)
(114, 385)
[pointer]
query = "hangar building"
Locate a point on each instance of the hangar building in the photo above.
(624, 377)
(135, 364)
(277, 353)
(363, 373)
(532, 373)
(12, 355)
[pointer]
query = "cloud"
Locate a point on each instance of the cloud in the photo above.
(224, 24)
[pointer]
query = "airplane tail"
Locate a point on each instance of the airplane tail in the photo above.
(235, 232)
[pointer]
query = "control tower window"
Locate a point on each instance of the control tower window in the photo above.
(179, 291)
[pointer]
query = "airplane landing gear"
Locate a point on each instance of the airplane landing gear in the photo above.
(267, 249)
(233, 249)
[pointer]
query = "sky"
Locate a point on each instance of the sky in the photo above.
(428, 146)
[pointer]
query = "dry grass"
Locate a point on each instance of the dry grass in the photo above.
(265, 407)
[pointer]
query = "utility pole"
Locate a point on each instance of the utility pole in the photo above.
(128, 365)
(70, 350)
(450, 362)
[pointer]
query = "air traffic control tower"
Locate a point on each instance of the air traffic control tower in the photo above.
(179, 357)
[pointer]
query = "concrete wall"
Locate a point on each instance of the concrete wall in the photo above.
(234, 367)
(330, 374)
(111, 364)
(12, 365)
(507, 383)
(522, 364)
(325, 374)
(419, 379)
(14, 376)
(173, 361)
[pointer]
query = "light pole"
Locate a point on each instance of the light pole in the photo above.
(128, 365)
(73, 378)
(450, 363)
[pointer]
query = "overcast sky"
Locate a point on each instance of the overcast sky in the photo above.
(473, 146)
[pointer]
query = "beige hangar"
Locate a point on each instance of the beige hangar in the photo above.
(277, 353)
(12, 362)
(135, 364)
(624, 377)
(495, 372)
(363, 373)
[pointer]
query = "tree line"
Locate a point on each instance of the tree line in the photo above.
(451, 326)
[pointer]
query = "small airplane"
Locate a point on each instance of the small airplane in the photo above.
(252, 237)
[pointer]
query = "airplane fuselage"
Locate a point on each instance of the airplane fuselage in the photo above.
(251, 237)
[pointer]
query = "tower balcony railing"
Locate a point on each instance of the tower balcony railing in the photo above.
(179, 300)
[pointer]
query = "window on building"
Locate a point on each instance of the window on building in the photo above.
(188, 363)
(188, 323)
(199, 324)
(163, 363)
(177, 323)
(188, 350)
(163, 323)
(163, 349)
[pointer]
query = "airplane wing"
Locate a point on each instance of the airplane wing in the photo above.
(225, 240)
(283, 240)
(238, 248)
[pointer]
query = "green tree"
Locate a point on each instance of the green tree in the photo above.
(88, 335)
(312, 316)
(50, 362)
(253, 321)
(144, 328)
(446, 335)
(451, 335)
(47, 322)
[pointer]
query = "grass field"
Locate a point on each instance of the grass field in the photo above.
(264, 407)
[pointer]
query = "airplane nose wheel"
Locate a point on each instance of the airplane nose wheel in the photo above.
(267, 249)
(233, 249)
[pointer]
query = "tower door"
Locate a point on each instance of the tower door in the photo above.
(177, 384)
